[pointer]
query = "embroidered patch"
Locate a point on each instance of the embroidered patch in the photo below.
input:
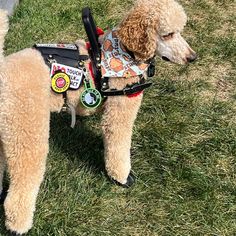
(116, 62)
(91, 97)
(61, 45)
(60, 82)
(75, 74)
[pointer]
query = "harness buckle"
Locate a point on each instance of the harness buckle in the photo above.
(131, 89)
(128, 90)
(51, 60)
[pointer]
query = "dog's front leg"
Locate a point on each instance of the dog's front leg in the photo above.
(119, 116)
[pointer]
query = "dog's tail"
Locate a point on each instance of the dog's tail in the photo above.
(3, 30)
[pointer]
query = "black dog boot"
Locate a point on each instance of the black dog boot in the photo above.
(130, 181)
(15, 234)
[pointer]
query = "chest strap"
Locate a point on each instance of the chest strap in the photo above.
(66, 54)
(127, 90)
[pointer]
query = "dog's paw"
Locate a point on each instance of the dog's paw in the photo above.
(19, 215)
(129, 182)
(17, 229)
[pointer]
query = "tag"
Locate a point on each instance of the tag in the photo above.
(75, 74)
(60, 82)
(91, 97)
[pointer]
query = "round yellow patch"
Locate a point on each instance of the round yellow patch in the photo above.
(60, 82)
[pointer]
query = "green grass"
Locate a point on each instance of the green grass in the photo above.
(184, 140)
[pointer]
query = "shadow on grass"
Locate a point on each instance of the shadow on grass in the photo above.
(83, 144)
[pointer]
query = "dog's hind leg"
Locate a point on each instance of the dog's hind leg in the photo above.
(24, 130)
(26, 158)
(119, 116)
(26, 148)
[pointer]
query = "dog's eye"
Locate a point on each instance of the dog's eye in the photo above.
(168, 36)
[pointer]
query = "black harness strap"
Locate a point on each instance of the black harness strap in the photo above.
(128, 90)
(95, 47)
(66, 56)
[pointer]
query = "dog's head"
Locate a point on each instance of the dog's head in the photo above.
(153, 27)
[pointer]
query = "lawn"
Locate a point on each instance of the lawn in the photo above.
(184, 140)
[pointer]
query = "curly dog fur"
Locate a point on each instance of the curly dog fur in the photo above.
(26, 100)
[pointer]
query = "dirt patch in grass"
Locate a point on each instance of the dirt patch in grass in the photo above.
(220, 87)
(226, 165)
(225, 29)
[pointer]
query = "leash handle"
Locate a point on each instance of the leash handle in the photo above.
(91, 30)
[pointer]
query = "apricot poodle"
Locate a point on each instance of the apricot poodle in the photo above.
(152, 27)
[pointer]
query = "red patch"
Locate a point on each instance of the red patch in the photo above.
(135, 94)
(60, 82)
(61, 45)
(99, 31)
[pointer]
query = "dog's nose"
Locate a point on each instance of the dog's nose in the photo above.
(192, 57)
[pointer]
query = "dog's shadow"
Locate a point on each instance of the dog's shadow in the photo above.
(83, 144)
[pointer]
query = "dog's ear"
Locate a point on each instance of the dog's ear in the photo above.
(138, 33)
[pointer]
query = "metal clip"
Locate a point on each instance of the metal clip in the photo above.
(81, 63)
(51, 60)
(85, 74)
